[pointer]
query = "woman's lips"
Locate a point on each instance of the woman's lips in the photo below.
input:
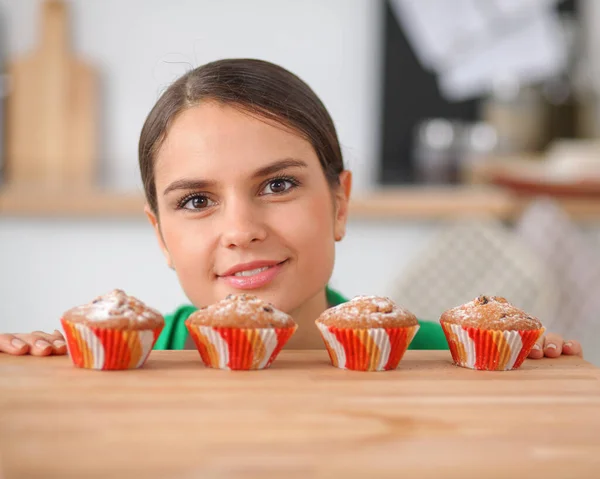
(253, 275)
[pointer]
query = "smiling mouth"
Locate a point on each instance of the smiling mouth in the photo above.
(252, 272)
(257, 276)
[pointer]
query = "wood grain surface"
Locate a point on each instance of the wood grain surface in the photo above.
(301, 418)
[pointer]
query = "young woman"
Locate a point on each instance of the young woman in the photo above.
(247, 192)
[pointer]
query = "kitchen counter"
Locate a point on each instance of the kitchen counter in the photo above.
(301, 418)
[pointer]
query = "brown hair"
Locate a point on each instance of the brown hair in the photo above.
(258, 87)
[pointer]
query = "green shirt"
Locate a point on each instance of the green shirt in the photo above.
(174, 335)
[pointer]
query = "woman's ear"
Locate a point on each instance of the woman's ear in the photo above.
(161, 242)
(342, 201)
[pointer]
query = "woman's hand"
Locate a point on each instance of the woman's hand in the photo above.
(37, 343)
(553, 346)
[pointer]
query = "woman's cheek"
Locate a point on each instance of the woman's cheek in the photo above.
(185, 241)
(308, 228)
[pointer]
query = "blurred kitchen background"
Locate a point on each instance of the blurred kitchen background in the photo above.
(472, 128)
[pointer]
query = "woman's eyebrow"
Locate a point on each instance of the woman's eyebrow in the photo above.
(278, 166)
(199, 184)
(189, 184)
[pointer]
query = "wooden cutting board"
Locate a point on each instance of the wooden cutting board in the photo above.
(51, 110)
(301, 418)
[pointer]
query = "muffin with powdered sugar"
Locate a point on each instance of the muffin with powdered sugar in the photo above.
(367, 333)
(114, 331)
(240, 332)
(489, 333)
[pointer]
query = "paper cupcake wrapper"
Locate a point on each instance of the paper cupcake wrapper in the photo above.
(374, 349)
(489, 350)
(237, 348)
(108, 349)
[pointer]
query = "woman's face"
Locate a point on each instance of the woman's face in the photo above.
(244, 206)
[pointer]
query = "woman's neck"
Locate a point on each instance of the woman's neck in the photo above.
(307, 335)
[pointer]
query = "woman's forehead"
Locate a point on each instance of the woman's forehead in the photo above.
(217, 140)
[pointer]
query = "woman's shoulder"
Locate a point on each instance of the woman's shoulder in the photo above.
(174, 334)
(334, 298)
(181, 313)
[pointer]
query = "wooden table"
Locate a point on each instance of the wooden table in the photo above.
(302, 418)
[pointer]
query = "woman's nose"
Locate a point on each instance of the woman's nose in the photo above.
(242, 225)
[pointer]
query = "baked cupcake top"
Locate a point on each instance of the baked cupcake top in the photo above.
(491, 312)
(116, 310)
(241, 311)
(368, 312)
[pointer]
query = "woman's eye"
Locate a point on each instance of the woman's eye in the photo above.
(197, 202)
(278, 186)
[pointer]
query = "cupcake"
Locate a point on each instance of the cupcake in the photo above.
(368, 333)
(240, 332)
(490, 334)
(114, 331)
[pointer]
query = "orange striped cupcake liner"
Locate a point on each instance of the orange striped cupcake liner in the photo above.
(489, 350)
(238, 348)
(372, 349)
(108, 349)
